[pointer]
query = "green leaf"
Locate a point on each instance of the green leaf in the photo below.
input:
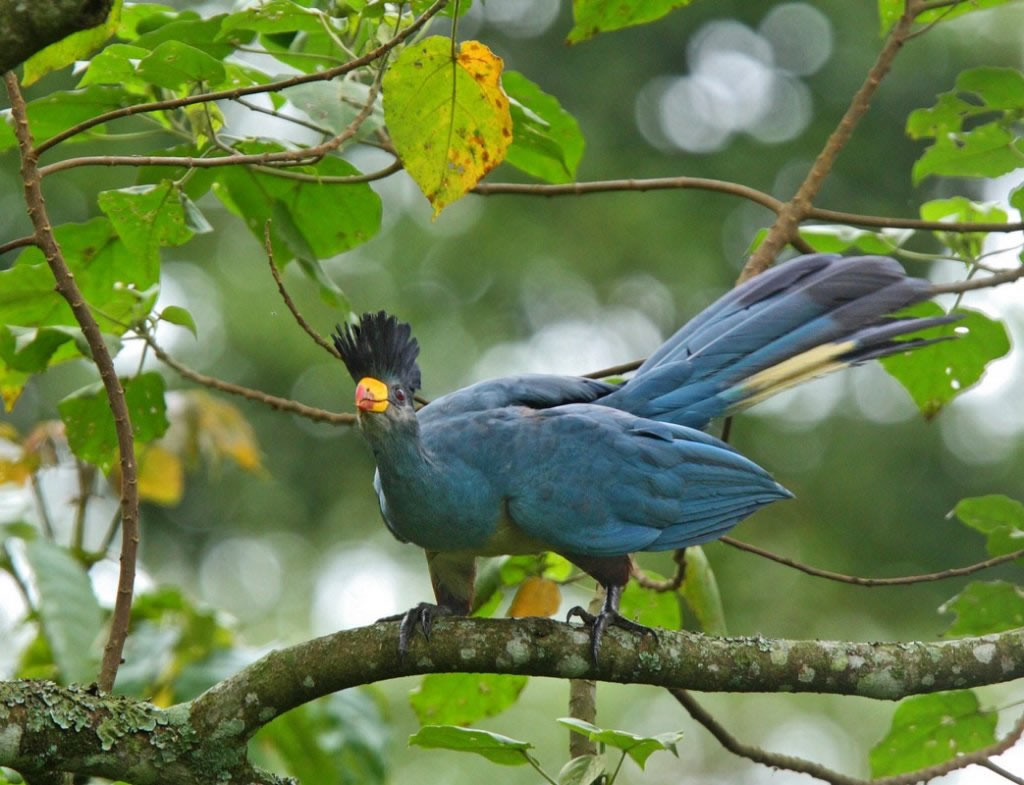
(119, 285)
(74, 47)
(989, 100)
(90, 424)
(188, 28)
(700, 592)
(931, 729)
(279, 16)
(987, 151)
(639, 748)
(59, 111)
(546, 140)
(173, 64)
(32, 349)
(464, 698)
(968, 245)
(937, 374)
(147, 217)
(601, 16)
(334, 105)
(493, 746)
(70, 615)
(175, 314)
(838, 238)
(649, 607)
(998, 517)
(27, 297)
(300, 227)
(449, 118)
(983, 608)
(117, 64)
(581, 770)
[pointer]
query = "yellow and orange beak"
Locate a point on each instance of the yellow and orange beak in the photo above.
(371, 395)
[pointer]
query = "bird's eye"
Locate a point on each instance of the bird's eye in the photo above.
(399, 395)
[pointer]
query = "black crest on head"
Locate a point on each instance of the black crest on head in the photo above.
(380, 346)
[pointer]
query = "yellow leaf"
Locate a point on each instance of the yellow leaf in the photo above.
(535, 597)
(161, 476)
(448, 117)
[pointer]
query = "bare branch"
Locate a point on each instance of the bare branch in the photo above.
(20, 242)
(235, 93)
(795, 211)
(631, 184)
(816, 770)
(997, 279)
(299, 318)
(742, 191)
(941, 575)
(669, 584)
(69, 290)
(273, 401)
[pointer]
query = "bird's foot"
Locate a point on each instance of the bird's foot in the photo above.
(422, 616)
(608, 617)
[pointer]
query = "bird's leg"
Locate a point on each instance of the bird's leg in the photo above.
(609, 616)
(612, 572)
(452, 575)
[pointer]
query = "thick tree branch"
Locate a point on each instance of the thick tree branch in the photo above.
(68, 289)
(25, 28)
(206, 739)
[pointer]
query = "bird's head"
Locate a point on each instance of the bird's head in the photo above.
(380, 354)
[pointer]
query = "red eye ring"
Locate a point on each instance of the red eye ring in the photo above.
(400, 395)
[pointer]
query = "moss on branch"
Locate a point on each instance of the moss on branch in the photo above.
(45, 727)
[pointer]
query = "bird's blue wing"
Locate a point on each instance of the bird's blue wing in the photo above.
(535, 391)
(589, 480)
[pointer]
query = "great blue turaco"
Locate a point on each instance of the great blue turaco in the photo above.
(596, 471)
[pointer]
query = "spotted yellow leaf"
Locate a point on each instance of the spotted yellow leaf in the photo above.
(448, 116)
(535, 597)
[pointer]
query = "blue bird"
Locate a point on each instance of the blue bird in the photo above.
(596, 471)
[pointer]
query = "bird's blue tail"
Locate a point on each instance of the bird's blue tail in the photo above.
(806, 318)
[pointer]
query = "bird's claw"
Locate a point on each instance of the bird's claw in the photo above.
(422, 616)
(600, 622)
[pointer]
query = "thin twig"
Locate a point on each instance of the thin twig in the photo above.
(736, 189)
(345, 179)
(20, 242)
(45, 523)
(997, 279)
(273, 401)
(792, 763)
(941, 575)
(795, 211)
(299, 318)
(302, 156)
(234, 93)
(668, 584)
(631, 184)
(326, 132)
(69, 290)
(997, 769)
